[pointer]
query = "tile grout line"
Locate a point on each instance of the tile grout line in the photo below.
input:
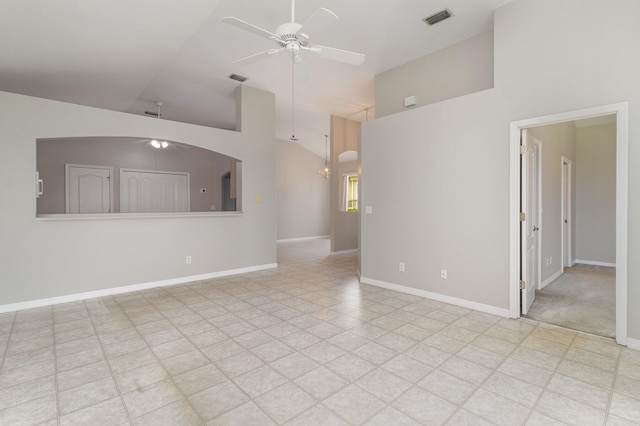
(106, 357)
(555, 370)
(495, 370)
(613, 388)
(185, 396)
(213, 363)
(9, 339)
(55, 367)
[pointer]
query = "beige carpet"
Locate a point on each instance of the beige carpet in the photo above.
(583, 299)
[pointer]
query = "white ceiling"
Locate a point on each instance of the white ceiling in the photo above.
(124, 55)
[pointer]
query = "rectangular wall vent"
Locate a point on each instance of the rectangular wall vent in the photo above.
(438, 17)
(237, 77)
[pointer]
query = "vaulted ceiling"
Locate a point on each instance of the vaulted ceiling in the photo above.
(125, 55)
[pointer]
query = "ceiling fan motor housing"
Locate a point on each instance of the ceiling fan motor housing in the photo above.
(288, 36)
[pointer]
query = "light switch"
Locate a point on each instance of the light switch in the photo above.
(368, 209)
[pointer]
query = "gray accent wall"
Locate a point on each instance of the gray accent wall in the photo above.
(596, 194)
(49, 258)
(438, 176)
(303, 196)
(457, 70)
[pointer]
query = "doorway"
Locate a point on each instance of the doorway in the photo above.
(228, 203)
(621, 212)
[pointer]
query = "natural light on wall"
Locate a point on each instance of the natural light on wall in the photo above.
(348, 168)
(351, 191)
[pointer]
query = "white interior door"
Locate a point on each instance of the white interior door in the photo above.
(529, 227)
(88, 188)
(566, 213)
(151, 192)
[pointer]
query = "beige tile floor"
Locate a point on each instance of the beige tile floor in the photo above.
(305, 344)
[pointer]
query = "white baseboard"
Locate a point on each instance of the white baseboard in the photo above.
(333, 253)
(549, 280)
(128, 288)
(493, 310)
(595, 263)
(633, 343)
(291, 240)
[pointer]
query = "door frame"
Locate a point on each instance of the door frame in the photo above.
(621, 110)
(566, 246)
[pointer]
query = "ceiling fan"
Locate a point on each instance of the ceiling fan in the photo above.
(293, 38)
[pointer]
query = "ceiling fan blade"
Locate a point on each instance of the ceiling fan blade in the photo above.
(249, 27)
(338, 55)
(319, 21)
(258, 55)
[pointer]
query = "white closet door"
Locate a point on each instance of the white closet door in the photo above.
(144, 191)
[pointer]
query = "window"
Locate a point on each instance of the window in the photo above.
(351, 192)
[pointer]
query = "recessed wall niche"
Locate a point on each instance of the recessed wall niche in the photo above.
(102, 175)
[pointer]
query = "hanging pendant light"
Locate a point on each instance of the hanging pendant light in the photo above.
(325, 172)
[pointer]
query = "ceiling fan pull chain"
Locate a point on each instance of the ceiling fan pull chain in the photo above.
(293, 94)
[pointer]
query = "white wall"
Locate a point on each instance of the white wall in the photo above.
(463, 68)
(439, 196)
(596, 194)
(557, 140)
(446, 204)
(42, 258)
(303, 195)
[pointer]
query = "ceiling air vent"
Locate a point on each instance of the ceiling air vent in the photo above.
(237, 77)
(438, 17)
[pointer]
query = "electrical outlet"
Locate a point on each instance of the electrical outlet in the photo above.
(401, 266)
(188, 261)
(443, 274)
